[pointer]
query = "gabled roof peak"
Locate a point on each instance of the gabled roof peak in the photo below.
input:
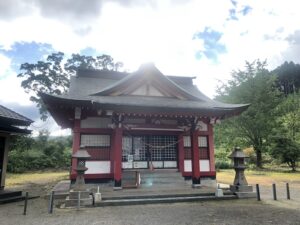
(147, 74)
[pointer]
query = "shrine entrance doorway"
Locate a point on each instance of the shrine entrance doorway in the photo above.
(142, 152)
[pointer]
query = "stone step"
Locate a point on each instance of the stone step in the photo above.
(161, 199)
(164, 195)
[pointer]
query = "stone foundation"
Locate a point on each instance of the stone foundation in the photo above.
(85, 199)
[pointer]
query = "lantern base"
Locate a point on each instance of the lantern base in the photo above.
(241, 188)
(246, 194)
(79, 197)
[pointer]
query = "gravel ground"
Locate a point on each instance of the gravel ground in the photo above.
(243, 212)
(216, 212)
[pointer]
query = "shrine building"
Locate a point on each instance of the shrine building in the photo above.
(138, 121)
(11, 124)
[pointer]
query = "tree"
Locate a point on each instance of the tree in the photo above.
(288, 77)
(286, 150)
(28, 153)
(254, 85)
(52, 76)
(290, 116)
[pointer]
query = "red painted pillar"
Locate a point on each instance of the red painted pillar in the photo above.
(180, 153)
(118, 133)
(211, 148)
(195, 157)
(76, 143)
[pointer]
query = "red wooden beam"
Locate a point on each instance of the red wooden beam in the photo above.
(195, 157)
(117, 149)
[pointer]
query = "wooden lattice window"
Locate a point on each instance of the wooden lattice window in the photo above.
(187, 147)
(203, 147)
(202, 144)
(97, 145)
(95, 140)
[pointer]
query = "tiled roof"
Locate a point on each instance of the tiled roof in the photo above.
(13, 117)
(97, 89)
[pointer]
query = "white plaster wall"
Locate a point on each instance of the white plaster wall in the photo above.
(187, 165)
(142, 90)
(202, 126)
(127, 165)
(142, 164)
(157, 164)
(96, 167)
(154, 92)
(170, 164)
(204, 165)
(95, 122)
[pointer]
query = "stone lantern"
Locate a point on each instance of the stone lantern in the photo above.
(81, 155)
(240, 185)
(79, 195)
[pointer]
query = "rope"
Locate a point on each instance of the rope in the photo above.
(151, 147)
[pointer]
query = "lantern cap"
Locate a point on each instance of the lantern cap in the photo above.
(238, 153)
(81, 154)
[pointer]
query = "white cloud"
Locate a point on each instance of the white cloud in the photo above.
(10, 85)
(161, 32)
(4, 66)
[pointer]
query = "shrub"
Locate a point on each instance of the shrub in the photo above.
(223, 164)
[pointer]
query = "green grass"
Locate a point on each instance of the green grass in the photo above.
(39, 177)
(260, 177)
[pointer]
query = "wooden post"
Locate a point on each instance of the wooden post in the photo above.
(51, 200)
(274, 192)
(195, 157)
(211, 148)
(76, 144)
(288, 191)
(25, 203)
(118, 132)
(257, 192)
(180, 153)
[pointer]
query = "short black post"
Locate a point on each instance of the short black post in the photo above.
(93, 199)
(51, 200)
(257, 192)
(25, 203)
(288, 196)
(274, 192)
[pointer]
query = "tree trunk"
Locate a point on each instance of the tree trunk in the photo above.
(293, 165)
(258, 157)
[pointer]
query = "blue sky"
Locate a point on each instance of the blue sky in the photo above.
(206, 39)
